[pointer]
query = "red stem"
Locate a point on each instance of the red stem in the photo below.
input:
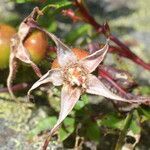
(102, 29)
(105, 75)
(88, 18)
(129, 54)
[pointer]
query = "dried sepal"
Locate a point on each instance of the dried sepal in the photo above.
(121, 77)
(18, 51)
(119, 82)
(93, 47)
(92, 61)
(52, 76)
(69, 97)
(64, 54)
(95, 86)
(12, 72)
(120, 106)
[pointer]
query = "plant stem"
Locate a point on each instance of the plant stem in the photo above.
(15, 88)
(122, 135)
(108, 77)
(44, 9)
(126, 52)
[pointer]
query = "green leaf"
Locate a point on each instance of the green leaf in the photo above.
(59, 3)
(24, 1)
(44, 124)
(93, 131)
(145, 90)
(123, 133)
(135, 127)
(135, 123)
(112, 121)
(82, 102)
(145, 112)
(50, 10)
(76, 33)
(52, 26)
(66, 129)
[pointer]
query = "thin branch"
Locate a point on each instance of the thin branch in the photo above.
(130, 55)
(15, 88)
(104, 29)
(107, 76)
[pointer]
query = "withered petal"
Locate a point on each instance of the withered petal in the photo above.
(95, 86)
(17, 47)
(52, 76)
(69, 97)
(18, 51)
(92, 61)
(64, 54)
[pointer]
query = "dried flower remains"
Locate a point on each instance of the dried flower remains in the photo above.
(73, 74)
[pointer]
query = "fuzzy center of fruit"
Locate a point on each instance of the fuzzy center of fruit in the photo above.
(75, 76)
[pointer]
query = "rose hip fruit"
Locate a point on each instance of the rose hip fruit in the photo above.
(36, 43)
(6, 33)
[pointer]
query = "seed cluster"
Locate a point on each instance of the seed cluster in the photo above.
(75, 75)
